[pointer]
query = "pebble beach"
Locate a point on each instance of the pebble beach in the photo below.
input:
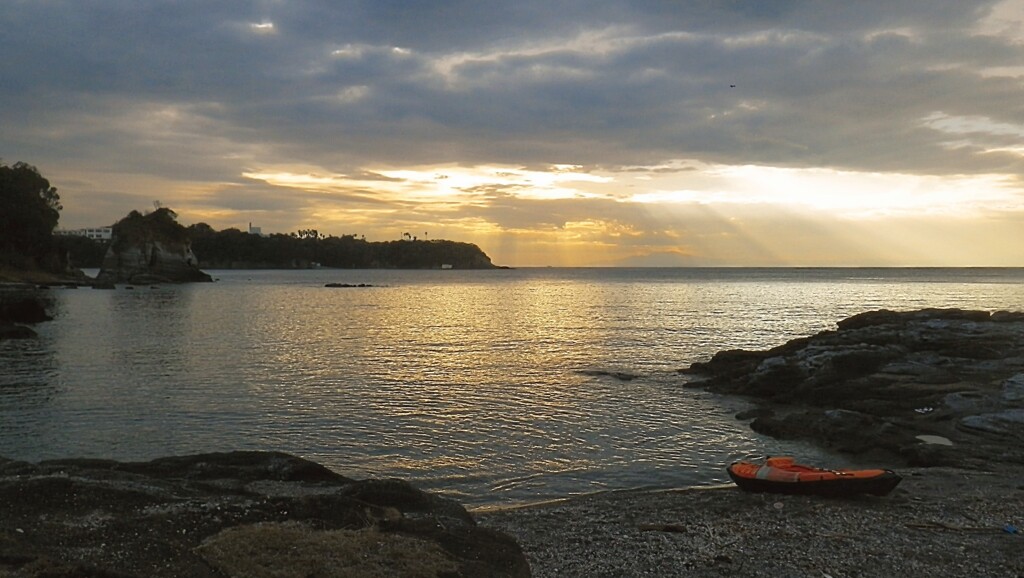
(937, 522)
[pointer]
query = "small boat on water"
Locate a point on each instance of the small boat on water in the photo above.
(782, 475)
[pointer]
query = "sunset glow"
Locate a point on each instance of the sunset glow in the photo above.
(696, 134)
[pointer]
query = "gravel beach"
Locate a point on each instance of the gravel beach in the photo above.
(938, 522)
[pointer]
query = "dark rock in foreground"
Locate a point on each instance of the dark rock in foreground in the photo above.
(233, 514)
(22, 305)
(930, 387)
(25, 306)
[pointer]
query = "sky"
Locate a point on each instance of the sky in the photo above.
(568, 133)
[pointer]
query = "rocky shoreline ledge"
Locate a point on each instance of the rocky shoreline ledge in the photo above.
(21, 306)
(261, 514)
(239, 514)
(922, 388)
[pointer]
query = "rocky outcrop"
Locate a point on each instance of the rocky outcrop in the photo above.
(150, 262)
(21, 305)
(234, 514)
(928, 387)
(148, 249)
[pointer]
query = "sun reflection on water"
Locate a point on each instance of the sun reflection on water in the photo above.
(489, 386)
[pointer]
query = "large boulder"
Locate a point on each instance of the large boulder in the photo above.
(20, 305)
(928, 387)
(148, 262)
(234, 514)
(148, 249)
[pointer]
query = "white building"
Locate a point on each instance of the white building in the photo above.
(96, 233)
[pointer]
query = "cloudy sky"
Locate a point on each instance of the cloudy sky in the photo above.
(578, 133)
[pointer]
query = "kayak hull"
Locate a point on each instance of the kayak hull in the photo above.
(786, 477)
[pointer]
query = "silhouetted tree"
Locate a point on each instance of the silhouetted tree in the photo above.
(82, 251)
(232, 248)
(160, 225)
(29, 211)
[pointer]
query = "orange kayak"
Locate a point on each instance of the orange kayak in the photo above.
(781, 475)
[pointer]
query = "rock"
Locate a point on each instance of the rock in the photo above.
(887, 317)
(619, 375)
(12, 331)
(965, 402)
(150, 262)
(884, 378)
(23, 309)
(1009, 422)
(233, 514)
(935, 440)
(755, 412)
(293, 550)
(869, 319)
(22, 304)
(1008, 316)
(728, 363)
(1013, 389)
(838, 429)
(150, 249)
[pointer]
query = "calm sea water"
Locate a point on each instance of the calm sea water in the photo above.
(488, 386)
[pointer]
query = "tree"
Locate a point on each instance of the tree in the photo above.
(160, 225)
(29, 211)
(81, 251)
(307, 234)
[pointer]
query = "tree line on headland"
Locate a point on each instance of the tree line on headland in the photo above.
(30, 210)
(234, 249)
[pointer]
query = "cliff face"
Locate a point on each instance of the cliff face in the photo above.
(151, 248)
(151, 262)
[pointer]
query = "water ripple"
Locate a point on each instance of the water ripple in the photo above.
(491, 386)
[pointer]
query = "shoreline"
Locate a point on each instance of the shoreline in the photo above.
(500, 508)
(945, 521)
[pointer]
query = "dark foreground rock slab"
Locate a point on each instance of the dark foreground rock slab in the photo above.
(22, 304)
(233, 514)
(928, 387)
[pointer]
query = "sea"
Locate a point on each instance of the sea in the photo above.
(492, 387)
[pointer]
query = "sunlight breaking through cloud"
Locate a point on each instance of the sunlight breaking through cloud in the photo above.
(263, 27)
(846, 193)
(468, 184)
(972, 125)
(587, 133)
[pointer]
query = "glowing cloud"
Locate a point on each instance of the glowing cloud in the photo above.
(263, 28)
(841, 193)
(444, 182)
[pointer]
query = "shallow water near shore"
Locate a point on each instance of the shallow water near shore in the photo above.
(492, 387)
